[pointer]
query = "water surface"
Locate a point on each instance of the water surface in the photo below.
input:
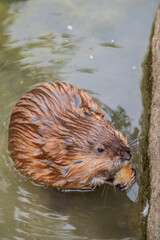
(99, 47)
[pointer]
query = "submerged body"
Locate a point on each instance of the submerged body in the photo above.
(58, 137)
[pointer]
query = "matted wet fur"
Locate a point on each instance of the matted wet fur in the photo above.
(58, 137)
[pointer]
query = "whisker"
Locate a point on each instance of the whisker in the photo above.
(105, 192)
(136, 140)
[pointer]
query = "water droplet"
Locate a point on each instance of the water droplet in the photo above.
(134, 67)
(146, 209)
(70, 27)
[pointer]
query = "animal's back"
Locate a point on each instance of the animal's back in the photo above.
(37, 123)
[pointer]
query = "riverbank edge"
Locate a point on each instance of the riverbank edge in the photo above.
(153, 223)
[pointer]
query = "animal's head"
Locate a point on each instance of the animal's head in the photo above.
(86, 149)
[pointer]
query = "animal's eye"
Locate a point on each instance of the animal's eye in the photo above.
(100, 149)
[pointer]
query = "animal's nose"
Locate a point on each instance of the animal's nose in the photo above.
(128, 155)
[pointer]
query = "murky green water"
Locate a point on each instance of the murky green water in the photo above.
(97, 46)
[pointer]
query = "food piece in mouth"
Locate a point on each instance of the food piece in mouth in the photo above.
(124, 177)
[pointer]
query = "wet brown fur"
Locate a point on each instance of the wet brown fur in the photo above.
(54, 135)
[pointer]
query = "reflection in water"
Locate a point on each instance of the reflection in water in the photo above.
(36, 45)
(35, 211)
(113, 45)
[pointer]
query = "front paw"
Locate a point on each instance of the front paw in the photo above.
(124, 186)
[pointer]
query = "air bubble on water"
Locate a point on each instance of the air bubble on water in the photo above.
(134, 67)
(70, 27)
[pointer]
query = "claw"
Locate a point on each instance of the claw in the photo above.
(124, 189)
(123, 186)
(133, 176)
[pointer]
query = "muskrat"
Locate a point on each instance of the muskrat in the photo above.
(58, 137)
